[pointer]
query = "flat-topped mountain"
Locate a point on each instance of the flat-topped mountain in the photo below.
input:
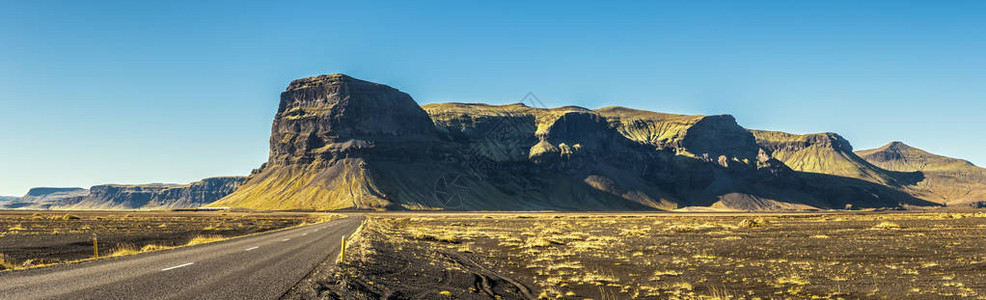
(7, 199)
(343, 143)
(945, 180)
(131, 196)
(36, 196)
(40, 194)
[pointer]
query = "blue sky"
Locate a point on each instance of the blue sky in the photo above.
(170, 91)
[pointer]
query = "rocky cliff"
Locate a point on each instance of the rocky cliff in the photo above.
(944, 179)
(143, 196)
(341, 143)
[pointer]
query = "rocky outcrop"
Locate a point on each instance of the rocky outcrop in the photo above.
(343, 143)
(945, 180)
(326, 131)
(321, 118)
(145, 196)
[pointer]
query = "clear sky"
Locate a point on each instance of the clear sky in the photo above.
(170, 91)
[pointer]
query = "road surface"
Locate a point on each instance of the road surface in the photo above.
(263, 266)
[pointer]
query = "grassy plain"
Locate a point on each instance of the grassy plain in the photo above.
(665, 256)
(32, 238)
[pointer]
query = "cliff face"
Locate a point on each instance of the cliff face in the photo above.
(326, 131)
(147, 196)
(321, 118)
(944, 180)
(339, 143)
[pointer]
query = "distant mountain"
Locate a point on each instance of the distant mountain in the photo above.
(338, 143)
(139, 196)
(945, 180)
(38, 196)
(828, 153)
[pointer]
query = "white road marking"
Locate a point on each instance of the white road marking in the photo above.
(178, 266)
(285, 240)
(251, 248)
(304, 234)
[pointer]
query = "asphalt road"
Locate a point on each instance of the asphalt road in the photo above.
(263, 266)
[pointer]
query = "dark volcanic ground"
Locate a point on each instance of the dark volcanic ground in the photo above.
(576, 256)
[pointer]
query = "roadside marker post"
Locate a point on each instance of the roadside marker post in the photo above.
(342, 253)
(95, 246)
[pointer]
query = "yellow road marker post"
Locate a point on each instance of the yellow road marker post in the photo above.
(342, 253)
(95, 246)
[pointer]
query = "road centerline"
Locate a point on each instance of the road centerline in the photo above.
(252, 248)
(178, 266)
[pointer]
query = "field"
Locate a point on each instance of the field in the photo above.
(661, 256)
(31, 238)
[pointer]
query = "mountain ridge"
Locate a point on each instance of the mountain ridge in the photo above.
(947, 180)
(130, 196)
(343, 143)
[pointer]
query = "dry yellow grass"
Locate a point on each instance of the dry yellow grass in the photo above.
(692, 257)
(5, 262)
(748, 223)
(154, 247)
(124, 250)
(887, 225)
(17, 227)
(205, 239)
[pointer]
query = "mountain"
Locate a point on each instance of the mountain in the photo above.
(945, 180)
(828, 153)
(140, 196)
(6, 199)
(342, 143)
(38, 195)
(326, 130)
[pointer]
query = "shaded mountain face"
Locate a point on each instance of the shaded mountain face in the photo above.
(945, 180)
(143, 196)
(342, 143)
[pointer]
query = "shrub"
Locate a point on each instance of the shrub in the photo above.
(887, 225)
(748, 223)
